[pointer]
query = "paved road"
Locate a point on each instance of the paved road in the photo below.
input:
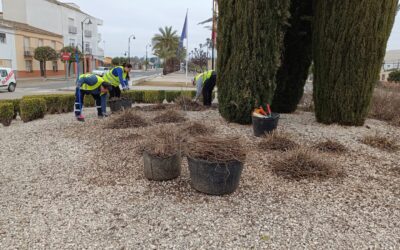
(37, 87)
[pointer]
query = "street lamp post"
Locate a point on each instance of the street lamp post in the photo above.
(83, 51)
(129, 47)
(147, 63)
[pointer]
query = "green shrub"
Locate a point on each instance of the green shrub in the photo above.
(170, 96)
(154, 96)
(57, 103)
(134, 95)
(89, 101)
(394, 76)
(32, 109)
(15, 103)
(6, 113)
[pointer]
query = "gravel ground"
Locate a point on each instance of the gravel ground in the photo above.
(69, 185)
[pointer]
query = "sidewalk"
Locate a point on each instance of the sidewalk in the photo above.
(177, 80)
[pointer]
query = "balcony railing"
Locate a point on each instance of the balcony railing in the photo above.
(88, 33)
(28, 52)
(73, 30)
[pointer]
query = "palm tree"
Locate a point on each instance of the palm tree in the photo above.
(166, 43)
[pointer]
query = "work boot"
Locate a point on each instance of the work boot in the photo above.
(80, 118)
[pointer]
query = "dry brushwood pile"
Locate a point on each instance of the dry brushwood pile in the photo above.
(170, 116)
(196, 129)
(127, 119)
(153, 107)
(277, 141)
(330, 146)
(215, 149)
(163, 142)
(187, 104)
(305, 164)
(381, 142)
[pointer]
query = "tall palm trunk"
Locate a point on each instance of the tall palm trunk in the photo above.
(349, 44)
(296, 58)
(249, 45)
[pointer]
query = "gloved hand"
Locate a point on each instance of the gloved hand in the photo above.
(126, 88)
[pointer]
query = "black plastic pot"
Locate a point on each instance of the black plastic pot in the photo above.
(215, 178)
(265, 125)
(126, 103)
(162, 169)
(115, 105)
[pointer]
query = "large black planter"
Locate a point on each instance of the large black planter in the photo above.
(265, 125)
(162, 169)
(126, 103)
(215, 178)
(115, 105)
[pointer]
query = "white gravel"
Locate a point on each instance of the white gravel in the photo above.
(63, 190)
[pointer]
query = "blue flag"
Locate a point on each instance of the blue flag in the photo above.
(184, 32)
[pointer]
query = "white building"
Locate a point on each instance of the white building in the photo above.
(7, 47)
(390, 63)
(60, 18)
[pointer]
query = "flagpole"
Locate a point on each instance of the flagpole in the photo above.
(187, 47)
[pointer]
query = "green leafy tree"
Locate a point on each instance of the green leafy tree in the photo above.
(117, 61)
(70, 49)
(249, 47)
(45, 54)
(296, 58)
(349, 44)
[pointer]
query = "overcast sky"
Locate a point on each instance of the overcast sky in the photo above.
(143, 18)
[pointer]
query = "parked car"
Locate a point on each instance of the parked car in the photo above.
(101, 71)
(7, 79)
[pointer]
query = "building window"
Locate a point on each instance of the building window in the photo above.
(3, 38)
(53, 44)
(28, 65)
(27, 42)
(3, 73)
(72, 42)
(55, 66)
(40, 43)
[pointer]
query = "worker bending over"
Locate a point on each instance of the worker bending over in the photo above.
(205, 84)
(90, 84)
(118, 76)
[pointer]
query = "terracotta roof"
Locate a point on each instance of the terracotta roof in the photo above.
(25, 27)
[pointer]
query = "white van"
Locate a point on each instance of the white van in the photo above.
(7, 79)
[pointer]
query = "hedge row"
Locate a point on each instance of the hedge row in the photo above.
(35, 107)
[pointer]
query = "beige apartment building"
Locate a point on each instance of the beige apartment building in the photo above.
(26, 39)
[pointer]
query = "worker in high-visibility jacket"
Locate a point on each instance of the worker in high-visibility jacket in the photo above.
(205, 84)
(118, 77)
(90, 84)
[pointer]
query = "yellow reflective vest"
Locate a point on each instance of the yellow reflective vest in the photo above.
(112, 79)
(92, 84)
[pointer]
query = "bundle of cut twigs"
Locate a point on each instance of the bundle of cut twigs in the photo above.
(187, 104)
(162, 143)
(215, 149)
(127, 119)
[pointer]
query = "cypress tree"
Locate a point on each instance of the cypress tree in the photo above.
(296, 58)
(249, 42)
(349, 44)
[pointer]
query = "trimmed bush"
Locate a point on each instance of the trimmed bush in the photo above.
(6, 113)
(56, 104)
(15, 103)
(154, 96)
(89, 101)
(349, 44)
(170, 96)
(250, 38)
(32, 109)
(394, 76)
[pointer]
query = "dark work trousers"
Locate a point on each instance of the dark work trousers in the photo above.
(208, 88)
(115, 92)
(80, 97)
